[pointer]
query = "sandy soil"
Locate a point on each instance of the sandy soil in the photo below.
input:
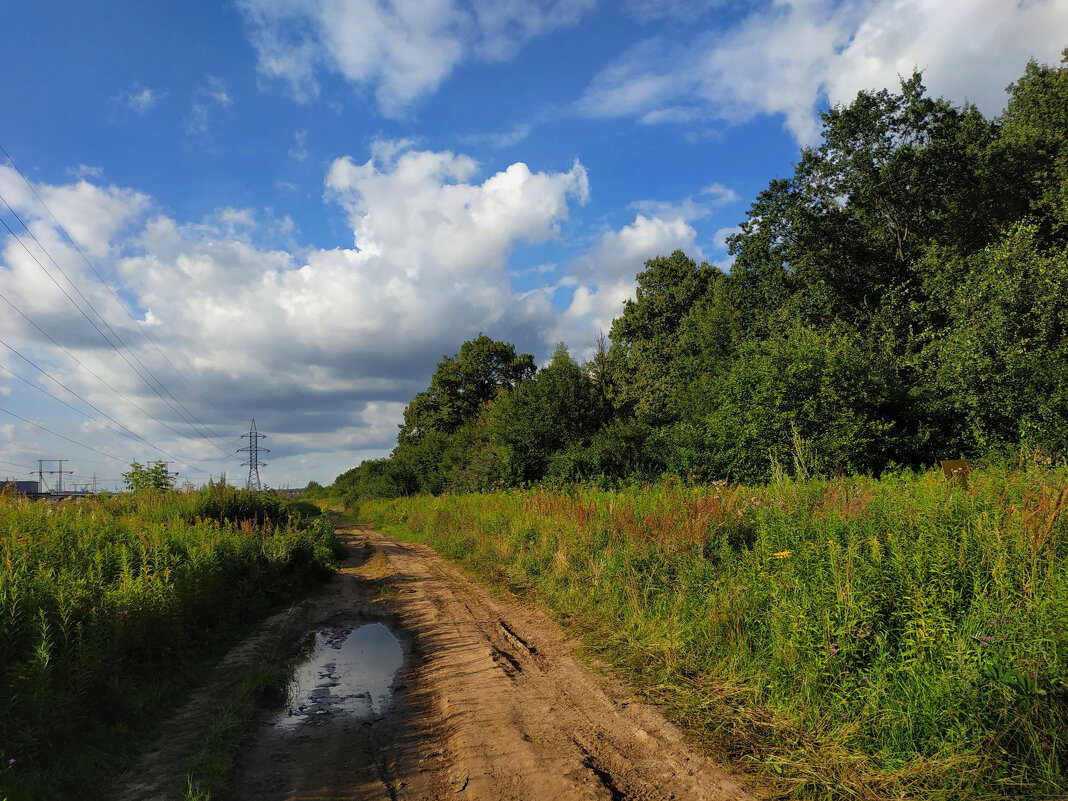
(489, 704)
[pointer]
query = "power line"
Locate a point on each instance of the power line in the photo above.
(12, 464)
(104, 336)
(93, 373)
(129, 433)
(104, 283)
(61, 436)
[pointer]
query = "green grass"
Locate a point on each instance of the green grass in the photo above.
(261, 684)
(894, 638)
(110, 606)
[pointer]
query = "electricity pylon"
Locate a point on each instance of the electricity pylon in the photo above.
(253, 450)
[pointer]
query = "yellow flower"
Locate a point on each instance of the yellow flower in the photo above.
(782, 554)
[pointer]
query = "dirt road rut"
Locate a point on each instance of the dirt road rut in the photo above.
(489, 705)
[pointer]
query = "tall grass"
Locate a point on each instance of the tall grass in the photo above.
(108, 604)
(903, 637)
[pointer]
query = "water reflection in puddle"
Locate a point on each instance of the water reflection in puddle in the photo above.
(348, 672)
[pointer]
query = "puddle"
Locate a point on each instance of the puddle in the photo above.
(348, 672)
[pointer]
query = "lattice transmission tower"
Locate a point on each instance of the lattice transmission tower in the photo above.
(253, 450)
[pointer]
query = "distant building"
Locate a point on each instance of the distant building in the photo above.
(25, 487)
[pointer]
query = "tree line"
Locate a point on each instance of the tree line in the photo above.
(901, 298)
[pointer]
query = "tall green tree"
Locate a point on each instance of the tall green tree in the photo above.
(560, 408)
(1001, 365)
(645, 338)
(896, 172)
(462, 383)
(1034, 143)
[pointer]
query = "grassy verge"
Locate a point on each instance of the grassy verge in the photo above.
(262, 683)
(109, 607)
(899, 638)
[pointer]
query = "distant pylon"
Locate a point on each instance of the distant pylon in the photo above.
(253, 450)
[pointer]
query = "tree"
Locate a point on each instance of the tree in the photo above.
(153, 476)
(645, 337)
(1034, 142)
(461, 384)
(1001, 366)
(896, 173)
(559, 408)
(821, 388)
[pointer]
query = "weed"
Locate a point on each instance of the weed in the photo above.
(890, 638)
(107, 605)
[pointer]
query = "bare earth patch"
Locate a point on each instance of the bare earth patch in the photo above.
(489, 704)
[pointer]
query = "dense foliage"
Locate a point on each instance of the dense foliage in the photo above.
(901, 637)
(109, 604)
(902, 298)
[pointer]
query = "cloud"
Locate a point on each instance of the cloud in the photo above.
(607, 274)
(688, 210)
(400, 51)
(299, 151)
(322, 346)
(622, 253)
(498, 141)
(720, 194)
(464, 228)
(787, 59)
(92, 215)
(211, 95)
(719, 239)
(83, 171)
(139, 100)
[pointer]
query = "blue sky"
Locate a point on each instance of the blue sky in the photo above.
(306, 204)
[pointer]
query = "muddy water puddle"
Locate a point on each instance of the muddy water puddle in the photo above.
(347, 673)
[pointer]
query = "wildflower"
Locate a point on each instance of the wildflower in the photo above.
(10, 762)
(864, 678)
(843, 715)
(782, 554)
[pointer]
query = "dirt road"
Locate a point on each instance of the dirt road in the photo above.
(487, 704)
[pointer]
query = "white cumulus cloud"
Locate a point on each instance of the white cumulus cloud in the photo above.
(789, 58)
(322, 346)
(607, 274)
(400, 50)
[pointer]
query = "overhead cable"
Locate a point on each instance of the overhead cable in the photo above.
(188, 420)
(122, 430)
(91, 372)
(61, 436)
(106, 285)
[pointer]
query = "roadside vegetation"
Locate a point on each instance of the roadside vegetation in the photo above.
(110, 606)
(902, 637)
